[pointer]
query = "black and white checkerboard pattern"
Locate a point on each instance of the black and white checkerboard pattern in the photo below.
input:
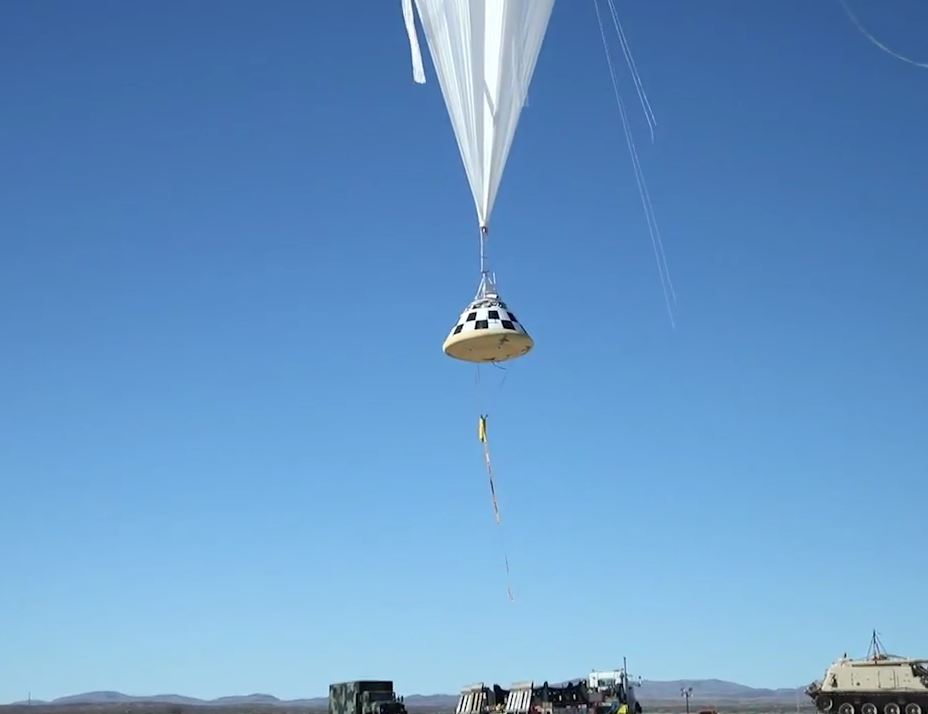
(488, 315)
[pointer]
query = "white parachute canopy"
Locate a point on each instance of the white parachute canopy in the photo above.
(484, 52)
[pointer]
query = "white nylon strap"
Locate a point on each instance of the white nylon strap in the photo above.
(418, 71)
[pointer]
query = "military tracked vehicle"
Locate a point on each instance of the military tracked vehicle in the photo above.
(880, 684)
(364, 697)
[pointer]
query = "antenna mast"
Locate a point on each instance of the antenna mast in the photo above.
(876, 651)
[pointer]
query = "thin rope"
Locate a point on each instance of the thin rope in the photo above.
(482, 436)
(633, 69)
(653, 230)
(486, 461)
(502, 540)
(887, 50)
(484, 234)
(478, 400)
(660, 256)
(502, 382)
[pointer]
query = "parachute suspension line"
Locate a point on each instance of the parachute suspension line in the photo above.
(633, 69)
(484, 234)
(872, 39)
(653, 230)
(487, 286)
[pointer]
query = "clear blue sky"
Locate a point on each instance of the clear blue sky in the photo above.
(234, 459)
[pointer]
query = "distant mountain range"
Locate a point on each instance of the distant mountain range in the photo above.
(649, 690)
(120, 698)
(107, 697)
(715, 689)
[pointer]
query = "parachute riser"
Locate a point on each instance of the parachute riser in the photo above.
(487, 287)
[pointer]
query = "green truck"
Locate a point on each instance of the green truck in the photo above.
(364, 697)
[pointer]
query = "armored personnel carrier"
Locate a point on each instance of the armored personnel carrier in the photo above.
(880, 684)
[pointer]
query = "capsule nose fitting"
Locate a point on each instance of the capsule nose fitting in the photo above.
(487, 331)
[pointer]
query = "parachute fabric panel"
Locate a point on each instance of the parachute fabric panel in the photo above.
(484, 53)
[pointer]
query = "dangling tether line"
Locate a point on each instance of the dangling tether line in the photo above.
(508, 576)
(484, 440)
(482, 435)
